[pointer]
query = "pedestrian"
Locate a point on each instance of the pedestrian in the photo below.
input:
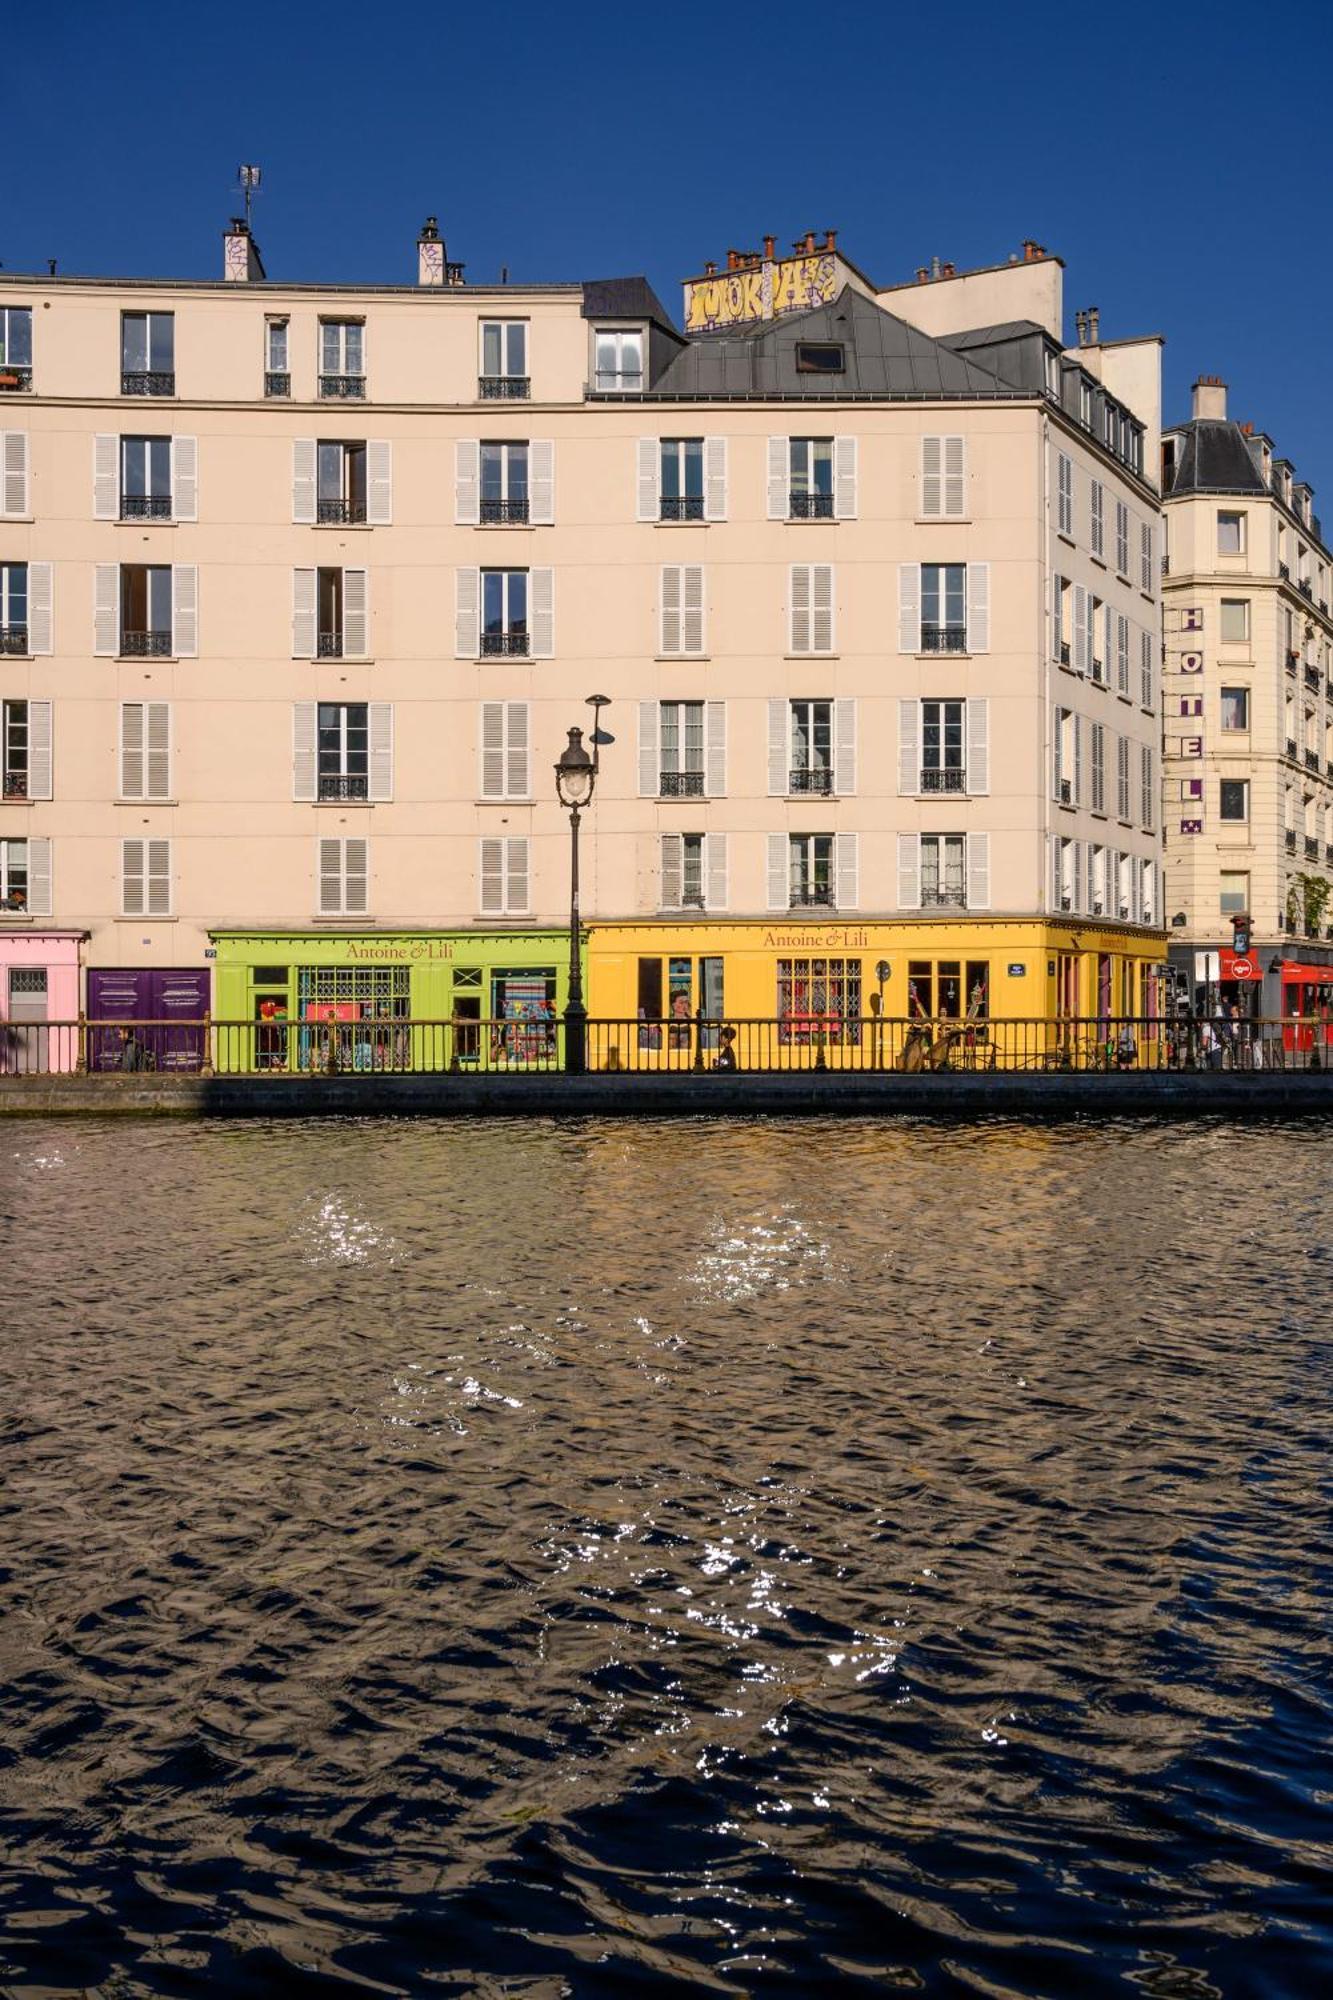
(1126, 1048)
(726, 1050)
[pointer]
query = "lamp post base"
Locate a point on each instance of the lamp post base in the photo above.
(576, 1040)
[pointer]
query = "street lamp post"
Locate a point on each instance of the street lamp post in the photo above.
(575, 776)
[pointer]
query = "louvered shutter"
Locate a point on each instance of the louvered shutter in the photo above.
(541, 481)
(492, 878)
(305, 786)
(39, 877)
(1082, 862)
(40, 619)
(715, 856)
(132, 750)
(715, 749)
(844, 478)
(329, 864)
(541, 584)
(1146, 787)
(909, 607)
(39, 749)
(14, 462)
(1078, 760)
(467, 613)
(821, 620)
(715, 479)
(516, 876)
(106, 477)
(909, 871)
(184, 610)
(649, 771)
(692, 608)
(909, 748)
(844, 859)
(518, 781)
(779, 722)
(978, 748)
(379, 482)
(356, 614)
(159, 877)
(356, 877)
(799, 611)
(157, 749)
(978, 871)
(1081, 657)
(779, 478)
(492, 749)
(649, 457)
(1122, 777)
(844, 748)
(303, 480)
(673, 871)
(1098, 530)
(779, 879)
(1057, 752)
(133, 901)
(1122, 655)
(1098, 767)
(1057, 616)
(106, 609)
(978, 607)
(670, 609)
(1145, 666)
(932, 477)
(303, 614)
(467, 483)
(185, 478)
(380, 751)
(955, 477)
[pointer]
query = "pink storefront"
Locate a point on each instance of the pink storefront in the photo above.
(39, 990)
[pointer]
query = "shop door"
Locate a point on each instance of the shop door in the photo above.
(24, 1038)
(169, 1004)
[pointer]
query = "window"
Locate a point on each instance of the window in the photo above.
(682, 610)
(1230, 534)
(1100, 629)
(681, 483)
(819, 997)
(146, 878)
(618, 359)
(13, 608)
(505, 746)
(25, 749)
(504, 484)
(504, 611)
(145, 479)
(342, 358)
(15, 347)
(145, 750)
(330, 614)
(148, 354)
(681, 750)
(942, 746)
(1235, 619)
(145, 610)
(943, 871)
(343, 750)
(1098, 518)
(1121, 538)
(687, 863)
(341, 483)
(819, 358)
(811, 608)
(810, 870)
(277, 364)
(943, 608)
(504, 878)
(1235, 708)
(342, 870)
(1064, 485)
(1233, 892)
(943, 478)
(811, 760)
(504, 359)
(14, 877)
(1234, 799)
(810, 479)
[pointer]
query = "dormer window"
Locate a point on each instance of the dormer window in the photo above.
(618, 359)
(820, 358)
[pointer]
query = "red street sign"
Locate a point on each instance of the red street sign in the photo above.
(1242, 966)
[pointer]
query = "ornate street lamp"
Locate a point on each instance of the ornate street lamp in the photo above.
(575, 776)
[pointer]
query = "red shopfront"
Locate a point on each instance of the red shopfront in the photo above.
(1307, 1006)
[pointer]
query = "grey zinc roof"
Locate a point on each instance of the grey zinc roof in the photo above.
(885, 357)
(992, 336)
(624, 298)
(1215, 458)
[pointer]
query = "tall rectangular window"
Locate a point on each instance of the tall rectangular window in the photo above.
(146, 878)
(1233, 799)
(342, 359)
(504, 612)
(145, 610)
(1230, 534)
(14, 748)
(504, 484)
(810, 866)
(810, 479)
(148, 354)
(1235, 708)
(1235, 619)
(811, 763)
(944, 607)
(681, 750)
(1233, 892)
(277, 363)
(943, 871)
(504, 359)
(343, 750)
(341, 483)
(15, 347)
(14, 874)
(681, 482)
(618, 359)
(14, 608)
(942, 746)
(145, 479)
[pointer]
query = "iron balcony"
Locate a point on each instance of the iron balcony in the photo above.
(148, 382)
(329, 646)
(16, 784)
(145, 645)
(681, 785)
(499, 644)
(937, 780)
(944, 898)
(504, 513)
(811, 898)
(12, 377)
(811, 507)
(14, 640)
(329, 512)
(340, 785)
(145, 506)
(944, 638)
(347, 388)
(277, 383)
(819, 783)
(684, 507)
(503, 388)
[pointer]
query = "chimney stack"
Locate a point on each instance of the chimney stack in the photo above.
(241, 262)
(769, 245)
(1094, 325)
(1210, 399)
(1081, 326)
(430, 253)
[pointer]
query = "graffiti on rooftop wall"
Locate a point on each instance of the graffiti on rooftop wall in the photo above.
(762, 291)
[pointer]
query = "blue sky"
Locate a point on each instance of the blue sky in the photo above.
(1174, 158)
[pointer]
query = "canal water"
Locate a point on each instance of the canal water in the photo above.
(642, 1558)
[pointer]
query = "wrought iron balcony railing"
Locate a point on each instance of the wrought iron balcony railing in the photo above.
(504, 513)
(12, 377)
(811, 896)
(148, 382)
(943, 898)
(817, 783)
(811, 507)
(681, 785)
(16, 784)
(341, 785)
(329, 646)
(277, 382)
(145, 506)
(14, 640)
(685, 507)
(503, 388)
(345, 388)
(944, 638)
(144, 645)
(937, 780)
(499, 644)
(330, 512)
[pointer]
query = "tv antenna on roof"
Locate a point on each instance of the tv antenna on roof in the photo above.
(248, 183)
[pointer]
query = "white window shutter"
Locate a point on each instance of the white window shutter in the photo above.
(329, 870)
(715, 749)
(844, 748)
(492, 878)
(518, 748)
(132, 750)
(492, 749)
(185, 478)
(779, 715)
(133, 901)
(649, 772)
(39, 877)
(1146, 787)
(978, 871)
(39, 749)
(1078, 760)
(106, 608)
(673, 870)
(467, 613)
(40, 621)
(844, 478)
(670, 608)
(1057, 616)
(516, 876)
(467, 484)
(821, 608)
(14, 471)
(380, 751)
(649, 456)
(715, 881)
(159, 877)
(955, 477)
(379, 482)
(845, 883)
(303, 614)
(978, 747)
(692, 608)
(541, 585)
(541, 481)
(305, 787)
(909, 871)
(779, 478)
(356, 877)
(978, 607)
(715, 479)
(932, 477)
(909, 607)
(106, 477)
(303, 480)
(798, 613)
(157, 749)
(356, 613)
(1057, 752)
(1082, 661)
(779, 877)
(184, 610)
(909, 748)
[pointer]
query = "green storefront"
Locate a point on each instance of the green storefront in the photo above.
(388, 999)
